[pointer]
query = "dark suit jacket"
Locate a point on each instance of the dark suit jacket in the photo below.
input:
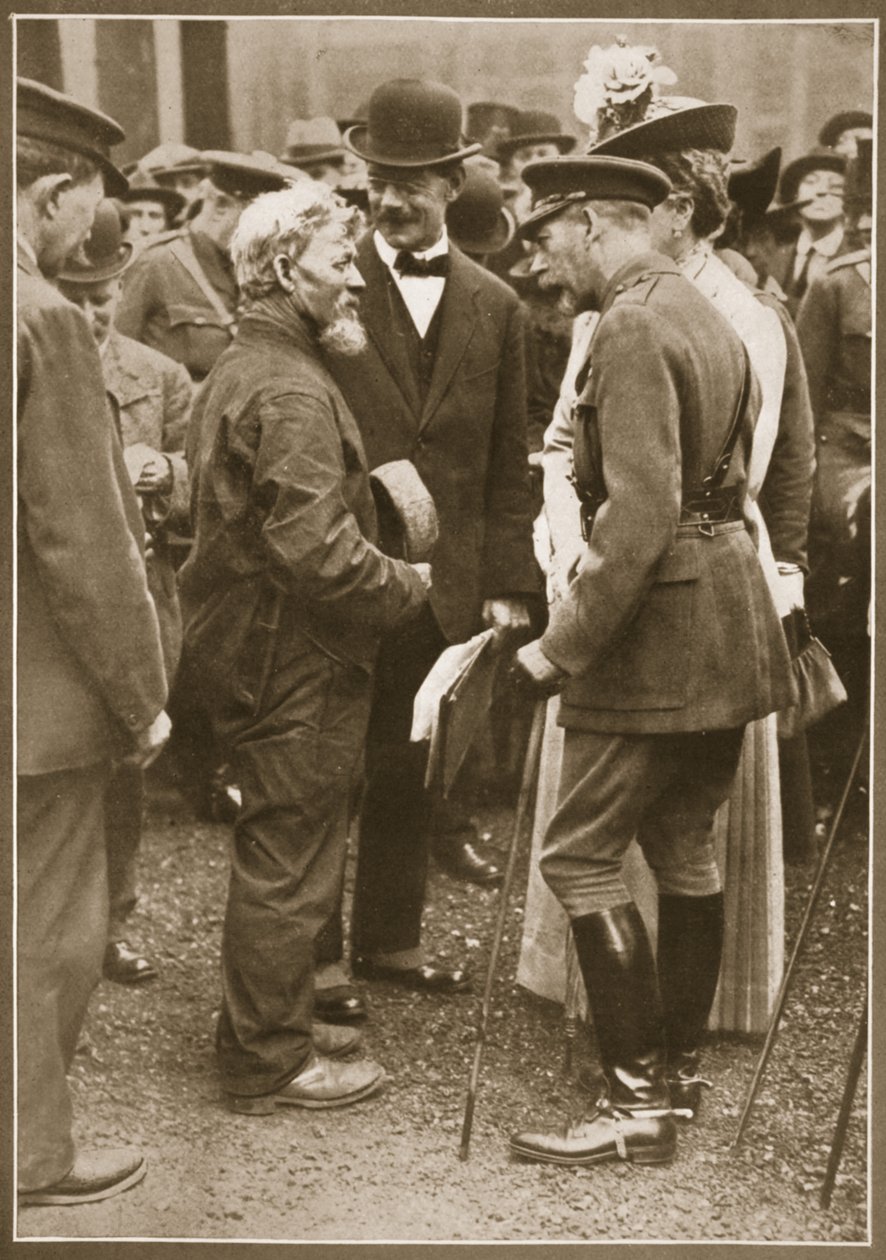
(664, 629)
(283, 516)
(468, 442)
(89, 660)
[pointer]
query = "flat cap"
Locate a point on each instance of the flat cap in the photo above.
(42, 113)
(558, 182)
(246, 175)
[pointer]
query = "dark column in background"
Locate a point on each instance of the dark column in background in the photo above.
(39, 51)
(205, 74)
(127, 82)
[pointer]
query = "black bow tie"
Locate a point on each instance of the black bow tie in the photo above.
(408, 265)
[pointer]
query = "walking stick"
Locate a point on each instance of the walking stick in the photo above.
(524, 804)
(775, 1020)
(852, 1075)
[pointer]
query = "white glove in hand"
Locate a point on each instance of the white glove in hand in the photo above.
(149, 742)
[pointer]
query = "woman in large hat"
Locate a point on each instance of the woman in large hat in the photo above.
(689, 140)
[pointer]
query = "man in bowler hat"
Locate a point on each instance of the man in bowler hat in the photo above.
(442, 385)
(666, 642)
(90, 679)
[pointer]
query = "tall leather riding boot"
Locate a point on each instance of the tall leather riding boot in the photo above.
(632, 1121)
(690, 945)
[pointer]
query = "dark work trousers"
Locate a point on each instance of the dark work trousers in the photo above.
(62, 927)
(295, 754)
(662, 790)
(124, 808)
(392, 856)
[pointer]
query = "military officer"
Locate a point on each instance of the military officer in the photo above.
(180, 296)
(666, 642)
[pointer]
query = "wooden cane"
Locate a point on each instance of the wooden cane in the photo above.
(852, 1075)
(778, 1010)
(524, 805)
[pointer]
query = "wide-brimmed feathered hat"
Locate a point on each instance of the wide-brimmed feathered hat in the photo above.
(673, 123)
(412, 122)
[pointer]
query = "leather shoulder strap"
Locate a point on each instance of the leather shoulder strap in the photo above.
(724, 459)
(183, 253)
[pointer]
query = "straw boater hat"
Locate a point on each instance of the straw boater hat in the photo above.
(559, 182)
(104, 255)
(412, 123)
(477, 220)
(310, 140)
(44, 114)
(535, 127)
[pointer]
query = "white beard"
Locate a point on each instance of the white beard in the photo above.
(345, 335)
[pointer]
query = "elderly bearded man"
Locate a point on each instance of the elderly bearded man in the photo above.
(666, 643)
(284, 598)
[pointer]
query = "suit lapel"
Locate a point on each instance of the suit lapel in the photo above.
(458, 315)
(375, 310)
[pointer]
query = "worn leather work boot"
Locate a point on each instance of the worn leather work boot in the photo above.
(690, 945)
(632, 1121)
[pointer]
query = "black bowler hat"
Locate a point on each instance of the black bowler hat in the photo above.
(795, 172)
(247, 175)
(104, 254)
(44, 114)
(673, 123)
(412, 122)
(535, 127)
(477, 220)
(847, 121)
(558, 182)
(752, 186)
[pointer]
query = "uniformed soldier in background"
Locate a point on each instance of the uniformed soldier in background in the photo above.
(90, 679)
(666, 642)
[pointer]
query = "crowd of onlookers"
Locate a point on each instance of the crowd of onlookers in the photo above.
(460, 373)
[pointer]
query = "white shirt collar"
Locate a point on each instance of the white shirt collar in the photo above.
(387, 253)
(827, 246)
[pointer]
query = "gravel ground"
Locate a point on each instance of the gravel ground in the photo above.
(388, 1169)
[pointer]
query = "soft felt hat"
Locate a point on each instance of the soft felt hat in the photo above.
(142, 187)
(816, 160)
(535, 127)
(411, 123)
(846, 121)
(171, 159)
(313, 140)
(246, 175)
(42, 113)
(752, 186)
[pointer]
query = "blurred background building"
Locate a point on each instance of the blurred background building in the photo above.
(238, 83)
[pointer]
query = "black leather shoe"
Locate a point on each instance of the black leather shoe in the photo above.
(603, 1135)
(459, 858)
(685, 1086)
(340, 1005)
(124, 966)
(424, 979)
(95, 1175)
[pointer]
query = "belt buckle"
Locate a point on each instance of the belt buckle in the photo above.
(706, 528)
